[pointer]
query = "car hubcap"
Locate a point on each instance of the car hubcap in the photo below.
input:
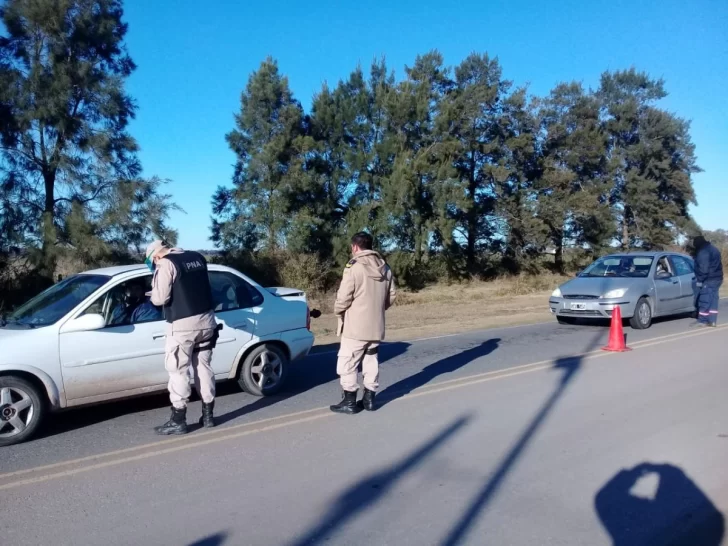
(267, 370)
(16, 411)
(644, 313)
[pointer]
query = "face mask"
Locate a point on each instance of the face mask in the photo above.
(149, 262)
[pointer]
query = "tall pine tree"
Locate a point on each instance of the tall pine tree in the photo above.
(255, 211)
(573, 195)
(512, 175)
(420, 151)
(67, 158)
(651, 160)
(470, 116)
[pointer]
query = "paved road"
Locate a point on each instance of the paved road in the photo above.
(500, 437)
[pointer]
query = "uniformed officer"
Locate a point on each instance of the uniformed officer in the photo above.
(367, 290)
(181, 287)
(709, 276)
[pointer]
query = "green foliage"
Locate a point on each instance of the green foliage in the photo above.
(68, 167)
(572, 186)
(650, 161)
(410, 272)
(283, 268)
(265, 141)
(457, 168)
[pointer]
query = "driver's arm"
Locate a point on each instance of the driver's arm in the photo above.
(146, 312)
(118, 315)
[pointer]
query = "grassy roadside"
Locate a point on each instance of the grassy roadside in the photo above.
(443, 309)
(448, 309)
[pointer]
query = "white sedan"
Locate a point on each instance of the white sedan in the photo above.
(95, 337)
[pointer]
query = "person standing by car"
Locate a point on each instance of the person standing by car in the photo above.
(367, 290)
(709, 276)
(181, 286)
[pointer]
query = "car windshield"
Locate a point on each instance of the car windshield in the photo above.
(50, 306)
(619, 266)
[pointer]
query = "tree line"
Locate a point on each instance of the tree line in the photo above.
(456, 163)
(456, 171)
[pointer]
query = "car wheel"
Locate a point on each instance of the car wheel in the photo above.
(642, 318)
(264, 371)
(566, 320)
(22, 410)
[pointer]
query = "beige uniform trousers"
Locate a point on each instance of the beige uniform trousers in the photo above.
(352, 353)
(179, 355)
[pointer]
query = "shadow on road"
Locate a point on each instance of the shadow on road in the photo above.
(444, 366)
(657, 504)
(309, 375)
(303, 376)
(568, 366)
(367, 492)
(213, 540)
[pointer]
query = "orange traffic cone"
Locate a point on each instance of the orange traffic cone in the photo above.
(616, 334)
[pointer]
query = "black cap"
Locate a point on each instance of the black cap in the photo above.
(699, 242)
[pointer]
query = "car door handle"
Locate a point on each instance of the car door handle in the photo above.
(158, 336)
(675, 282)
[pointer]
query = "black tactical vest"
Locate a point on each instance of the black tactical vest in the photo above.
(191, 291)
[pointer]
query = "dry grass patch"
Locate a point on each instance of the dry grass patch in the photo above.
(448, 309)
(445, 309)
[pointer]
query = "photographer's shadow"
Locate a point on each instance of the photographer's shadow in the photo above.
(657, 504)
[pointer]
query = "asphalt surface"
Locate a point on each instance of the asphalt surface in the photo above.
(507, 436)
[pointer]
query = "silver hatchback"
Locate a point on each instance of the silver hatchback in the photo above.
(644, 285)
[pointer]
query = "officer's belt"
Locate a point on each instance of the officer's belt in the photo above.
(208, 344)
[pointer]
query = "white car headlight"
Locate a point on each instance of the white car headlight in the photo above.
(556, 293)
(618, 293)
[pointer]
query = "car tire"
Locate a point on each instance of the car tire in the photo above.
(642, 318)
(566, 320)
(264, 370)
(21, 399)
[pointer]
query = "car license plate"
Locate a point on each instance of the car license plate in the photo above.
(578, 306)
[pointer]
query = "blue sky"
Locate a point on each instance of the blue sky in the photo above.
(194, 61)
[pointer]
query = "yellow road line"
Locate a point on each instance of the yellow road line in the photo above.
(549, 362)
(210, 437)
(115, 462)
(443, 386)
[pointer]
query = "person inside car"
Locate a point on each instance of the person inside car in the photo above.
(146, 312)
(663, 267)
(135, 307)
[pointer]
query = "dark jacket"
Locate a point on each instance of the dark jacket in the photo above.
(708, 265)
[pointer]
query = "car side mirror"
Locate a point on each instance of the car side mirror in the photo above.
(85, 323)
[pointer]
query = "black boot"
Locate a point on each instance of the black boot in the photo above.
(207, 420)
(347, 405)
(176, 425)
(367, 401)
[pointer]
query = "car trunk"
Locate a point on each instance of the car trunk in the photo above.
(297, 314)
(288, 294)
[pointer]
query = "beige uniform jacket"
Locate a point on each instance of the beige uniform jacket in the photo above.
(367, 290)
(164, 276)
